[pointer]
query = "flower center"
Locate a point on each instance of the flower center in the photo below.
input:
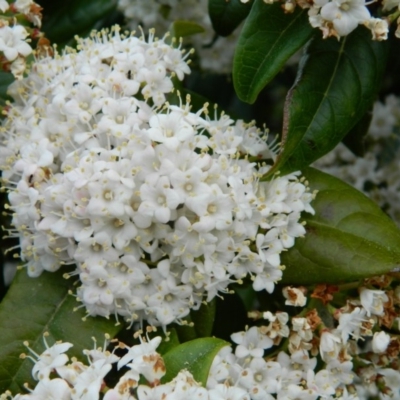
(258, 377)
(168, 298)
(123, 268)
(118, 222)
(345, 7)
(108, 195)
(212, 208)
(101, 283)
(96, 247)
(161, 200)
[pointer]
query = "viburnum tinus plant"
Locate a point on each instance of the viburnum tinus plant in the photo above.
(152, 211)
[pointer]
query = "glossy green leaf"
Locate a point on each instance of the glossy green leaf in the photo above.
(180, 29)
(227, 15)
(203, 319)
(336, 85)
(355, 139)
(348, 238)
(196, 356)
(268, 39)
(32, 307)
(76, 17)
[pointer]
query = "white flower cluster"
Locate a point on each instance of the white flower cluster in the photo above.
(77, 381)
(14, 38)
(377, 173)
(340, 17)
(158, 207)
(214, 55)
(320, 362)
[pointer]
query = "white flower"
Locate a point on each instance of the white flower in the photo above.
(330, 345)
(122, 391)
(380, 342)
(12, 42)
(294, 296)
(373, 301)
(159, 201)
(278, 325)
(170, 129)
(88, 383)
(392, 379)
(4, 6)
(345, 14)
(350, 323)
(54, 389)
(23, 6)
(320, 382)
(52, 358)
(378, 27)
(341, 372)
(139, 350)
(251, 342)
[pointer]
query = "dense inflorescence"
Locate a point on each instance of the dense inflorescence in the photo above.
(159, 207)
(345, 353)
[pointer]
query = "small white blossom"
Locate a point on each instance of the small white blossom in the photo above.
(51, 389)
(380, 342)
(13, 42)
(294, 296)
(378, 27)
(350, 323)
(373, 301)
(251, 342)
(52, 358)
(4, 6)
(330, 345)
(345, 14)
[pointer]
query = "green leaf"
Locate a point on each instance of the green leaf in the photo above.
(355, 139)
(199, 323)
(32, 307)
(268, 39)
(348, 238)
(76, 17)
(196, 356)
(336, 85)
(203, 319)
(167, 345)
(6, 79)
(227, 15)
(180, 29)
